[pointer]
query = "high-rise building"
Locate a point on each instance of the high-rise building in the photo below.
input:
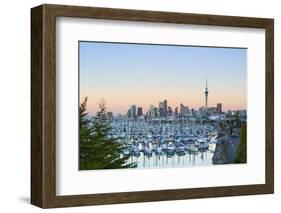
(176, 111)
(129, 113)
(206, 95)
(139, 112)
(151, 111)
(156, 112)
(133, 111)
(184, 110)
(169, 111)
(161, 109)
(219, 108)
(192, 111)
(165, 106)
(181, 109)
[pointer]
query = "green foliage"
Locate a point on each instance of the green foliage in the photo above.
(97, 149)
(242, 149)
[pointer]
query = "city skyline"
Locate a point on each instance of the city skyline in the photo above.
(137, 74)
(164, 110)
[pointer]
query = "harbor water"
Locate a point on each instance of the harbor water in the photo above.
(166, 161)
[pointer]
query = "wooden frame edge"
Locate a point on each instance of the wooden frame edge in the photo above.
(269, 105)
(36, 106)
(43, 105)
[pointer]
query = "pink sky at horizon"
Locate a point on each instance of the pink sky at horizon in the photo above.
(119, 104)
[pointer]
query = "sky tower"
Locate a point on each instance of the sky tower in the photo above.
(206, 95)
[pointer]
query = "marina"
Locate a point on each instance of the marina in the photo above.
(150, 144)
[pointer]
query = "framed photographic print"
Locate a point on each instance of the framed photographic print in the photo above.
(137, 106)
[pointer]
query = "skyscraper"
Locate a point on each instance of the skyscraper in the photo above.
(161, 109)
(139, 112)
(184, 110)
(176, 111)
(219, 108)
(151, 111)
(129, 113)
(170, 111)
(165, 105)
(133, 111)
(206, 95)
(181, 109)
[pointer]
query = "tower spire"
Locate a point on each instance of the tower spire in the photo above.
(206, 95)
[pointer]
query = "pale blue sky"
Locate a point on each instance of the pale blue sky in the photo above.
(125, 74)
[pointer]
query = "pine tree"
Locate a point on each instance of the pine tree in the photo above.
(87, 150)
(97, 149)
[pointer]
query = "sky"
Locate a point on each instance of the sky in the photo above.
(125, 74)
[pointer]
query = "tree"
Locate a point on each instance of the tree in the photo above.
(242, 148)
(87, 150)
(97, 149)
